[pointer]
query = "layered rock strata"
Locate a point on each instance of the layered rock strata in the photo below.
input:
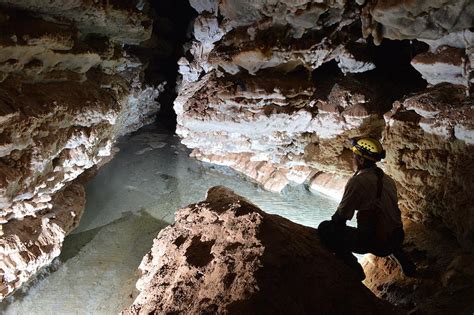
(32, 243)
(429, 137)
(224, 255)
(254, 63)
(68, 89)
(254, 82)
(283, 123)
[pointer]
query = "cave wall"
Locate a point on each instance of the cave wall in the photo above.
(68, 88)
(275, 88)
(270, 88)
(261, 91)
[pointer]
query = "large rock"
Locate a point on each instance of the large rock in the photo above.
(445, 281)
(224, 255)
(29, 244)
(430, 144)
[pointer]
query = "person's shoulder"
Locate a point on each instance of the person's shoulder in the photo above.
(390, 180)
(355, 180)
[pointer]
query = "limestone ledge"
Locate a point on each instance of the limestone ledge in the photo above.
(35, 50)
(286, 122)
(52, 132)
(121, 21)
(29, 244)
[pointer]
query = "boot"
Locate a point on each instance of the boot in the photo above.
(407, 265)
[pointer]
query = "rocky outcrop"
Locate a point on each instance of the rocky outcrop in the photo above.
(253, 82)
(224, 255)
(445, 281)
(429, 140)
(274, 89)
(29, 244)
(68, 88)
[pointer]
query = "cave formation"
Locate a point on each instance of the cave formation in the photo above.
(271, 89)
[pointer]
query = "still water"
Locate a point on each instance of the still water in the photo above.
(129, 201)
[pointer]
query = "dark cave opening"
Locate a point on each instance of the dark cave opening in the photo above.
(392, 79)
(172, 28)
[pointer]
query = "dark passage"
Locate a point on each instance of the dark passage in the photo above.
(172, 27)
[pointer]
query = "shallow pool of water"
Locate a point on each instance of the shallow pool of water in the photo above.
(129, 201)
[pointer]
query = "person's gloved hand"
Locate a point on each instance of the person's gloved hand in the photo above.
(337, 219)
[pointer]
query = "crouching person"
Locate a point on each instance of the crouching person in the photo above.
(373, 195)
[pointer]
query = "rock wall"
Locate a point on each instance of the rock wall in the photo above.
(275, 88)
(68, 88)
(253, 94)
(429, 138)
(224, 255)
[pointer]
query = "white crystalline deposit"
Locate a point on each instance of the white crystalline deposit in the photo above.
(29, 244)
(444, 111)
(60, 113)
(266, 122)
(65, 97)
(247, 97)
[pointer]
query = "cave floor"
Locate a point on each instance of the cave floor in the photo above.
(129, 201)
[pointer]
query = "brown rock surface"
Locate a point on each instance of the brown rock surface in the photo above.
(284, 123)
(445, 281)
(29, 244)
(121, 21)
(429, 140)
(68, 89)
(224, 255)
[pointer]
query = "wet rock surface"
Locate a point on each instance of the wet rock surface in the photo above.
(224, 255)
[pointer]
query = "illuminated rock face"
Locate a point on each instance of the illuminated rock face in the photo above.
(224, 255)
(32, 243)
(250, 96)
(429, 138)
(257, 95)
(65, 96)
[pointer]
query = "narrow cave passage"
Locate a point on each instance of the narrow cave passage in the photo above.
(266, 95)
(172, 28)
(128, 202)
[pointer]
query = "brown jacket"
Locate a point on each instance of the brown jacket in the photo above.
(360, 194)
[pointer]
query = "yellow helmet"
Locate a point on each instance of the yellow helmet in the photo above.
(368, 148)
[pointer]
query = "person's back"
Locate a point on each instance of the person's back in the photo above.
(373, 195)
(362, 196)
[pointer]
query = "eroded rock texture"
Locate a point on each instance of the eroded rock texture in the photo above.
(275, 88)
(431, 154)
(253, 96)
(224, 255)
(32, 243)
(68, 89)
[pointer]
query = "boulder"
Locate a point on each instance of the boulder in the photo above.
(225, 255)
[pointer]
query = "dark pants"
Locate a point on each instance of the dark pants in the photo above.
(344, 240)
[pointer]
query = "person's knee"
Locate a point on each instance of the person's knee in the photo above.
(327, 234)
(325, 227)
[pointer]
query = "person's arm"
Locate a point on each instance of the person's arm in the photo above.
(349, 203)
